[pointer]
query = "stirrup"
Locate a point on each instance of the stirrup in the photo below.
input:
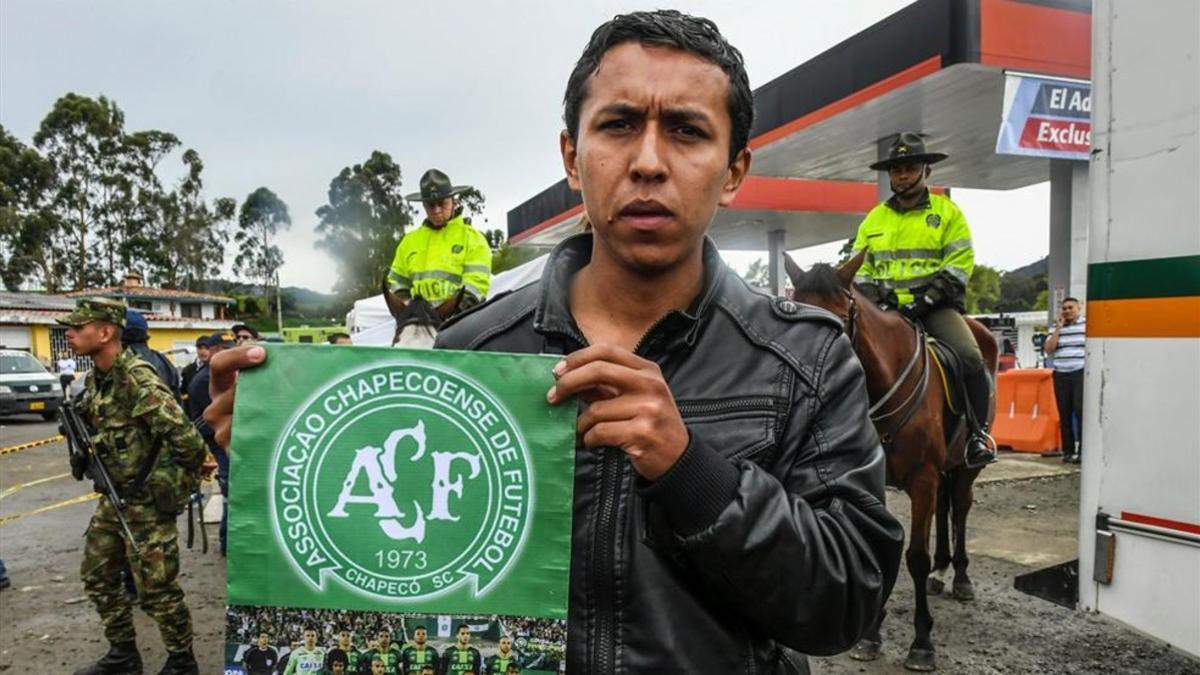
(989, 444)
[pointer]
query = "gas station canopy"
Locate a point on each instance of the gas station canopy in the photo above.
(937, 66)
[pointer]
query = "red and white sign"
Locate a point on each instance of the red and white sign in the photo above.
(1045, 117)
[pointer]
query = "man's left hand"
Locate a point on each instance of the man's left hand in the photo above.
(915, 310)
(630, 406)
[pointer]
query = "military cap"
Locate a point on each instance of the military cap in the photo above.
(88, 310)
(136, 328)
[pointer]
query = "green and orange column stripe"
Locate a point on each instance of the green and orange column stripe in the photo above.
(1151, 298)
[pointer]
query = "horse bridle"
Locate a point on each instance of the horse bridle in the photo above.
(908, 407)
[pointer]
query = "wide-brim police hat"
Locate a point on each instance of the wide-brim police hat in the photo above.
(436, 186)
(908, 148)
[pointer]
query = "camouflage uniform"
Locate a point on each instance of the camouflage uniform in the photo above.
(132, 416)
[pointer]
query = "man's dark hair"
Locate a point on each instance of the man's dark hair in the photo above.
(263, 632)
(666, 28)
(462, 626)
(419, 627)
(334, 337)
(1070, 299)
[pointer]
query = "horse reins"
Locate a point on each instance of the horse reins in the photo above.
(908, 407)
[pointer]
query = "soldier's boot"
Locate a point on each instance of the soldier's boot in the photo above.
(122, 659)
(180, 663)
(981, 449)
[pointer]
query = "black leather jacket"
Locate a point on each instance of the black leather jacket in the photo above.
(768, 538)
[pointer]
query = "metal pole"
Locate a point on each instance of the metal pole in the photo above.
(278, 305)
(774, 258)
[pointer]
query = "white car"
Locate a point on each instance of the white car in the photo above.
(26, 386)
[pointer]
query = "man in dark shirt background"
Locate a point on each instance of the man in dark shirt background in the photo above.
(260, 658)
(189, 371)
(198, 399)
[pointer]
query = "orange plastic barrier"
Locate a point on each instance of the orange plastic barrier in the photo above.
(1026, 415)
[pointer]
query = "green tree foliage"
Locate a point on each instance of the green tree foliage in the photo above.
(262, 216)
(472, 202)
(186, 243)
(758, 274)
(105, 188)
(363, 221)
(1019, 292)
(27, 224)
(983, 292)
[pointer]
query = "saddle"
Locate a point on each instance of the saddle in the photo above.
(950, 369)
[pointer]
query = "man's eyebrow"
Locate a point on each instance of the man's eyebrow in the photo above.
(675, 115)
(622, 110)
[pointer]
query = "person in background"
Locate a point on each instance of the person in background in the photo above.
(135, 336)
(445, 259)
(245, 333)
(154, 454)
(4, 580)
(919, 257)
(189, 371)
(339, 339)
(260, 658)
(198, 399)
(66, 373)
(1066, 344)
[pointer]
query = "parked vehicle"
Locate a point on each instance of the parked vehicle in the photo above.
(26, 386)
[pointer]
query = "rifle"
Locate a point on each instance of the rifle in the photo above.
(85, 462)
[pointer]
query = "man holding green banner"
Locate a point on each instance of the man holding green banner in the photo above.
(728, 504)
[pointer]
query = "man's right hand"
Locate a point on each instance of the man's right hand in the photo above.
(225, 367)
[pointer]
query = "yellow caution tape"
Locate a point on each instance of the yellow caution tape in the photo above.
(8, 491)
(32, 444)
(74, 500)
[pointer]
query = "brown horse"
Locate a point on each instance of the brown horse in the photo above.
(923, 438)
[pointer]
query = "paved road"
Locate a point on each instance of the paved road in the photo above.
(43, 515)
(24, 429)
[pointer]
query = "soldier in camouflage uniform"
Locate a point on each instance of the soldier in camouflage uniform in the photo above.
(154, 456)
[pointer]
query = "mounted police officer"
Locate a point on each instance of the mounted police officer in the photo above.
(920, 258)
(446, 258)
(153, 455)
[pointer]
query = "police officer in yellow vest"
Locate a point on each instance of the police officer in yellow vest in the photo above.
(445, 257)
(919, 257)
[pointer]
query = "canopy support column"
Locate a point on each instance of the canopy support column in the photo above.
(775, 240)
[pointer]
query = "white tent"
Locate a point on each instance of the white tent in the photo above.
(370, 322)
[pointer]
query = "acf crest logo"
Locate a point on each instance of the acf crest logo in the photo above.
(402, 481)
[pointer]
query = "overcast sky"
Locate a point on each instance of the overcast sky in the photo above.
(284, 94)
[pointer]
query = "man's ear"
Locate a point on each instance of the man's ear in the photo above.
(109, 332)
(734, 176)
(566, 146)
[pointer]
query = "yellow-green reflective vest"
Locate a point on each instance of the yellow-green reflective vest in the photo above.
(905, 250)
(434, 264)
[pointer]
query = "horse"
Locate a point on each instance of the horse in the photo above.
(417, 319)
(923, 438)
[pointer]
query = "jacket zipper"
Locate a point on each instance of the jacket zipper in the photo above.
(741, 404)
(604, 561)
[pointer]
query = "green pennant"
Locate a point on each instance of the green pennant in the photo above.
(401, 480)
